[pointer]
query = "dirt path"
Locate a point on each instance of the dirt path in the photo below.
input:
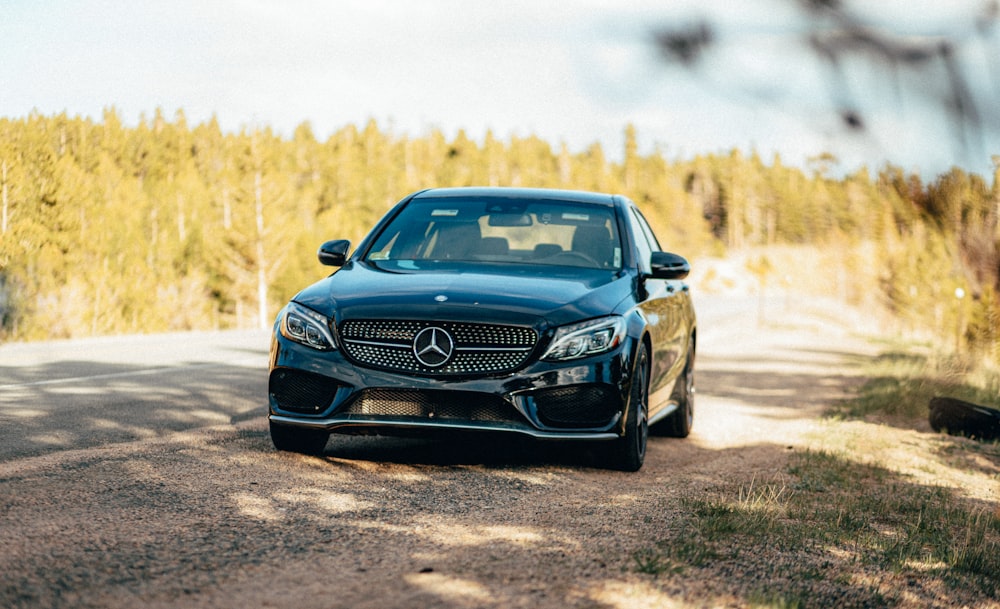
(217, 518)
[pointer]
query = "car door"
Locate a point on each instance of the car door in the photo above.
(662, 309)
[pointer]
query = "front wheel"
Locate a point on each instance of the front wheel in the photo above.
(630, 450)
(298, 440)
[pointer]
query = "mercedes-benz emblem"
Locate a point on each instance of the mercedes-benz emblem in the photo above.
(433, 346)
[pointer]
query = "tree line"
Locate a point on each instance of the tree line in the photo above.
(163, 226)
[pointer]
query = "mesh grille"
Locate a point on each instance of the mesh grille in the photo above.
(584, 406)
(478, 348)
(448, 405)
(301, 391)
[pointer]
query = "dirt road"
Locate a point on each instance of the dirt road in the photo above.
(205, 513)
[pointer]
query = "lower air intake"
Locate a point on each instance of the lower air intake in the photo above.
(435, 405)
(301, 391)
(586, 406)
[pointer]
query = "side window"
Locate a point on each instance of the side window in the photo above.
(647, 231)
(640, 233)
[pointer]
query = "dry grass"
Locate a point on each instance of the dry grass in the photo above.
(876, 512)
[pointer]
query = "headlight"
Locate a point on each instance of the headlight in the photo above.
(307, 327)
(587, 338)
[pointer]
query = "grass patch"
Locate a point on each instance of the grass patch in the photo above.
(902, 382)
(757, 510)
(895, 525)
(829, 533)
(838, 528)
(674, 557)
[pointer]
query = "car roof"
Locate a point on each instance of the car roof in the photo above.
(497, 192)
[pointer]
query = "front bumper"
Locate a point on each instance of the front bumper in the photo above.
(577, 400)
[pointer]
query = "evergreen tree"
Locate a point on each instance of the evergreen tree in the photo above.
(166, 226)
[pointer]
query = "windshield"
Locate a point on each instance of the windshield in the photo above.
(505, 230)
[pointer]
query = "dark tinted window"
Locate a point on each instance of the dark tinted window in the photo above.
(644, 247)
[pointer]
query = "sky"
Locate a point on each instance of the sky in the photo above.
(571, 72)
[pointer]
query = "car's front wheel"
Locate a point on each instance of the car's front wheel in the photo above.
(297, 440)
(630, 450)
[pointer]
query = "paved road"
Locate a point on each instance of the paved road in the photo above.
(63, 395)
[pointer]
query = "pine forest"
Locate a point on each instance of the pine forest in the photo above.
(165, 226)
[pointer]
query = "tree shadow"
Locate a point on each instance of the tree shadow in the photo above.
(969, 455)
(767, 381)
(77, 404)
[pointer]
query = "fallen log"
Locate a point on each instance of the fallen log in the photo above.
(960, 418)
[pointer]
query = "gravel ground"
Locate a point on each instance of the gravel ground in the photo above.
(215, 517)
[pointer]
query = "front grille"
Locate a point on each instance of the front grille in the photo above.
(300, 391)
(434, 405)
(579, 406)
(477, 348)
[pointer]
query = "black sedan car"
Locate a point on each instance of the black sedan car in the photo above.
(549, 313)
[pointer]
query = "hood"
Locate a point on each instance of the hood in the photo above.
(520, 295)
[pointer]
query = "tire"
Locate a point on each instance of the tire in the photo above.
(629, 451)
(298, 440)
(679, 424)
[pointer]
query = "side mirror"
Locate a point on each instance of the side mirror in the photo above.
(665, 265)
(334, 253)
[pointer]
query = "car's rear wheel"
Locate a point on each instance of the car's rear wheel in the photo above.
(679, 424)
(630, 450)
(297, 440)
